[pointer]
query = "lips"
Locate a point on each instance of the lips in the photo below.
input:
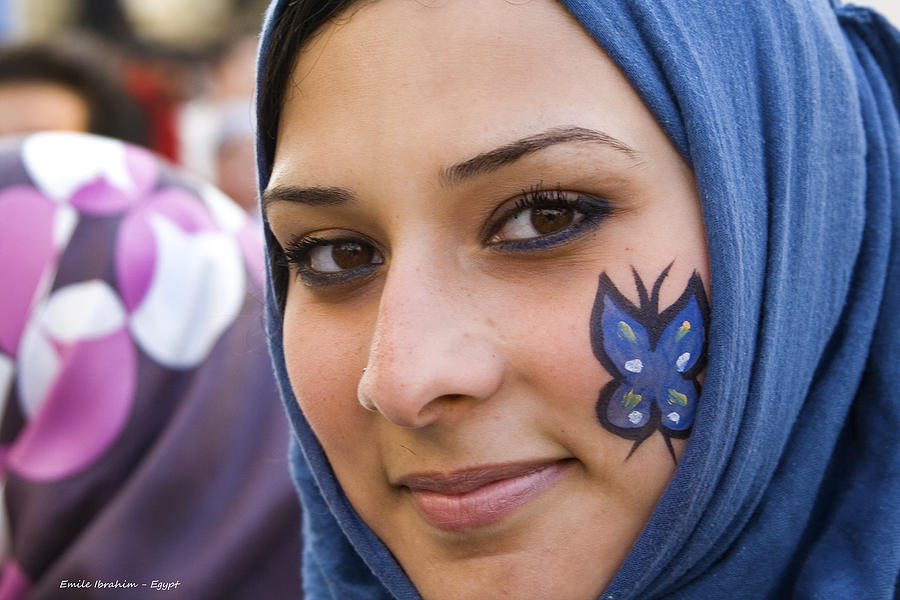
(481, 496)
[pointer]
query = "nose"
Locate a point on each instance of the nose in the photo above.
(432, 351)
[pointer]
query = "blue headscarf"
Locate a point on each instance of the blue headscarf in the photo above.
(790, 485)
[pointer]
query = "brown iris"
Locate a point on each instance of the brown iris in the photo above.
(548, 220)
(350, 255)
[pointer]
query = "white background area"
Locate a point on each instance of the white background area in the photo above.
(889, 8)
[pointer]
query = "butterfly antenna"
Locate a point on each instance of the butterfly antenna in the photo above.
(642, 291)
(654, 299)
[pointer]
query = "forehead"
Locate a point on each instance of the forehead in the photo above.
(439, 77)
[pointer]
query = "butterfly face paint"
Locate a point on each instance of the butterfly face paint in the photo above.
(654, 358)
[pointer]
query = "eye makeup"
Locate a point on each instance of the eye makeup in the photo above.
(321, 261)
(533, 221)
(554, 217)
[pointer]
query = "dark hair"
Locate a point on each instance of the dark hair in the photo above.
(84, 70)
(298, 21)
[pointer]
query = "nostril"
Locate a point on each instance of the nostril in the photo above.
(367, 403)
(363, 397)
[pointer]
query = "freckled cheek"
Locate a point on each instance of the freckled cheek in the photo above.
(548, 341)
(324, 360)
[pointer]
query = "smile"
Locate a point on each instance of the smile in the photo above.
(480, 496)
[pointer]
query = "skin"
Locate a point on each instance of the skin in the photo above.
(475, 354)
(234, 176)
(27, 107)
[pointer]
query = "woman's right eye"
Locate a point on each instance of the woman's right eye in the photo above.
(341, 256)
(322, 261)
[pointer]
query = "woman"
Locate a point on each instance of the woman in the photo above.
(508, 242)
(142, 443)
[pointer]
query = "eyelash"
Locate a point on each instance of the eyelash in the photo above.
(594, 211)
(297, 254)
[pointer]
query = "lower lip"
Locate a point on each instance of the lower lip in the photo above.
(487, 504)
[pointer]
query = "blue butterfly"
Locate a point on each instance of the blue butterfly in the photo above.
(654, 358)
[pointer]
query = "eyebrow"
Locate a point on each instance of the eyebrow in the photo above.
(492, 160)
(311, 196)
(482, 164)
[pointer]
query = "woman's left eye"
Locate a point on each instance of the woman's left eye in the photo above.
(546, 218)
(530, 223)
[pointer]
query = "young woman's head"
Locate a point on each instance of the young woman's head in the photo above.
(492, 283)
(453, 197)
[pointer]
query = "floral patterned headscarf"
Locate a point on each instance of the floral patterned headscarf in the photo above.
(141, 439)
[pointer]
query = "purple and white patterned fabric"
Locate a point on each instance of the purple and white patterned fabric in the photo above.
(141, 436)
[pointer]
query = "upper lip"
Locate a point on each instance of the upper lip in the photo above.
(468, 480)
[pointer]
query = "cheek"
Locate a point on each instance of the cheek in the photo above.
(548, 345)
(325, 355)
(673, 230)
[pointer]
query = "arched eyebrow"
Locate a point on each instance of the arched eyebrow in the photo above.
(482, 164)
(492, 160)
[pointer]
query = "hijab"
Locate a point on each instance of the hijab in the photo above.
(141, 437)
(790, 485)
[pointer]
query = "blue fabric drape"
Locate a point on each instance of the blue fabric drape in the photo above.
(790, 486)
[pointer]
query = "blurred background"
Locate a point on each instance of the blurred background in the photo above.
(181, 469)
(170, 75)
(889, 8)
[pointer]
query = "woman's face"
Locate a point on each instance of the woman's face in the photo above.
(450, 183)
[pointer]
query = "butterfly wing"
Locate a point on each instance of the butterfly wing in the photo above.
(682, 341)
(625, 411)
(677, 400)
(622, 345)
(680, 354)
(619, 341)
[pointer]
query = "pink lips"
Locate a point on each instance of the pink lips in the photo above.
(481, 496)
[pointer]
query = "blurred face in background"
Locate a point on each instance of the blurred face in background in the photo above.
(234, 172)
(37, 106)
(449, 183)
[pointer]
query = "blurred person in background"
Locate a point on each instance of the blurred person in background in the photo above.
(216, 129)
(234, 151)
(235, 155)
(166, 50)
(185, 69)
(191, 65)
(140, 438)
(71, 85)
(141, 435)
